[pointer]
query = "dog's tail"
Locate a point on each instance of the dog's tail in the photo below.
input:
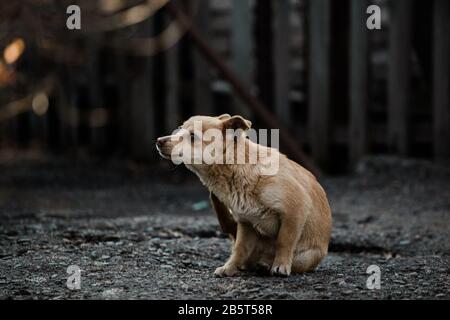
(226, 220)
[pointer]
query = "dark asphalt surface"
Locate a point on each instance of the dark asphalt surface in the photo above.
(141, 232)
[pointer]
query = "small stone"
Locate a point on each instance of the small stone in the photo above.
(319, 287)
(111, 293)
(100, 264)
(229, 294)
(116, 259)
(347, 292)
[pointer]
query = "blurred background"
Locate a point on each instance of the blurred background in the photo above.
(136, 69)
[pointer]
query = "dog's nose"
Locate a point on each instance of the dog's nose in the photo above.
(159, 142)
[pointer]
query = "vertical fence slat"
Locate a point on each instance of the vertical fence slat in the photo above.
(123, 108)
(399, 75)
(172, 110)
(72, 112)
(264, 69)
(282, 60)
(61, 110)
(95, 91)
(319, 79)
(359, 68)
(202, 74)
(241, 45)
(172, 113)
(441, 81)
(142, 128)
(241, 39)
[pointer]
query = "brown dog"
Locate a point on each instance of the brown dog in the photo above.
(279, 221)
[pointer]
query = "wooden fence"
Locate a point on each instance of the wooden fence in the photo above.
(342, 90)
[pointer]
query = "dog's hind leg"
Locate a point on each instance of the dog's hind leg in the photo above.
(226, 220)
(308, 260)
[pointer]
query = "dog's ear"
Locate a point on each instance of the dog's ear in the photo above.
(224, 116)
(237, 122)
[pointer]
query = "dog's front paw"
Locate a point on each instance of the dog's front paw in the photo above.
(226, 271)
(281, 270)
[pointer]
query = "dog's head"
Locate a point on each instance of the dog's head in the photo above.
(202, 140)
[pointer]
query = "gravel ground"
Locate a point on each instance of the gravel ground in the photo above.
(142, 232)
